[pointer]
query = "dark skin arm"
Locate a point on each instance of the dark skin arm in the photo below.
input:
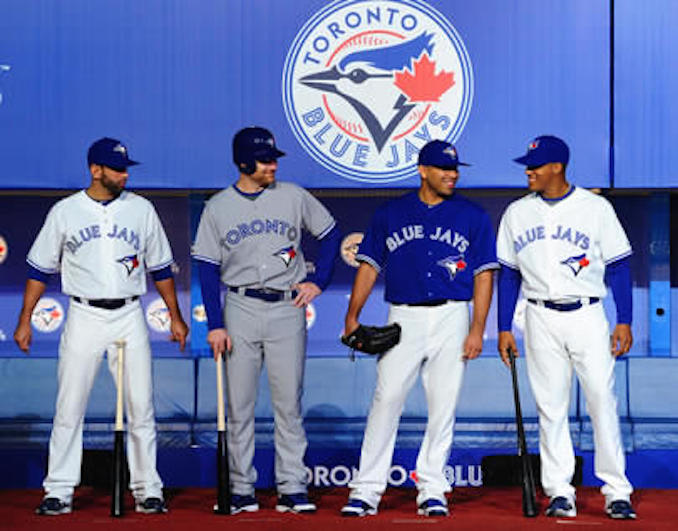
(178, 328)
(482, 296)
(363, 283)
(23, 333)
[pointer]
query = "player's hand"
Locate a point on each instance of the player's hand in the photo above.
(622, 339)
(506, 341)
(473, 345)
(23, 335)
(179, 331)
(220, 341)
(306, 292)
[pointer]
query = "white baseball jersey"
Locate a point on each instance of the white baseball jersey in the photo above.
(561, 248)
(102, 251)
(257, 243)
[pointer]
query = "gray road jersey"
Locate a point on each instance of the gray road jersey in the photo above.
(257, 242)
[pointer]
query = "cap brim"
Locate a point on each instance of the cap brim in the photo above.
(447, 166)
(269, 154)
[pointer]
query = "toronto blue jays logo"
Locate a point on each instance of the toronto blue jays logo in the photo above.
(576, 263)
(131, 262)
(47, 315)
(453, 265)
(367, 83)
(286, 254)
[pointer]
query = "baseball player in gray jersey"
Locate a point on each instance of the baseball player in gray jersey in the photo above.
(102, 240)
(249, 238)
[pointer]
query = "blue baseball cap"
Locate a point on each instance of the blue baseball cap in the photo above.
(109, 152)
(543, 150)
(255, 143)
(440, 154)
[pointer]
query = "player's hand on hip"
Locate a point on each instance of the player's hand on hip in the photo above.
(506, 341)
(23, 335)
(220, 342)
(622, 339)
(306, 292)
(473, 345)
(179, 332)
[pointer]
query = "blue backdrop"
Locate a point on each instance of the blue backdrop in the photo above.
(176, 78)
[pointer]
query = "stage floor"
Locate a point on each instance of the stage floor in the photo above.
(471, 509)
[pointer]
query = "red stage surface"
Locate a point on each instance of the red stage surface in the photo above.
(473, 509)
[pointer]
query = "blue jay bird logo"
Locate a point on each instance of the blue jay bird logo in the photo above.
(131, 262)
(365, 87)
(576, 263)
(286, 254)
(453, 265)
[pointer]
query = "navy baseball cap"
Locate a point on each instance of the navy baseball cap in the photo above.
(440, 154)
(543, 150)
(255, 143)
(109, 152)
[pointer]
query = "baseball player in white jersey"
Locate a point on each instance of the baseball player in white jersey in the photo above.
(563, 244)
(102, 240)
(437, 250)
(249, 238)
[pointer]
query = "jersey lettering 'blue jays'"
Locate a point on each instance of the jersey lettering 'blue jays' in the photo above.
(432, 252)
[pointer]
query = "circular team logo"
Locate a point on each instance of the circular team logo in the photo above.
(47, 315)
(367, 83)
(199, 313)
(310, 315)
(3, 249)
(349, 248)
(157, 316)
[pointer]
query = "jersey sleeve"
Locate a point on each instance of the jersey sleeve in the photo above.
(506, 254)
(372, 249)
(206, 247)
(484, 247)
(315, 217)
(158, 250)
(45, 253)
(614, 244)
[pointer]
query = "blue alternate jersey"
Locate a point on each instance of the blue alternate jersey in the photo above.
(429, 252)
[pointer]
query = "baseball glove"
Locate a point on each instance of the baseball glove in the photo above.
(373, 339)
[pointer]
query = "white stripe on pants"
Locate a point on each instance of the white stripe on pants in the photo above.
(556, 343)
(431, 343)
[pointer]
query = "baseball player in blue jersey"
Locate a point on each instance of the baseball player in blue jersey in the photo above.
(102, 240)
(249, 238)
(437, 250)
(563, 244)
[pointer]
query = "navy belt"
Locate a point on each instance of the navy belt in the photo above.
(106, 304)
(436, 302)
(564, 306)
(268, 295)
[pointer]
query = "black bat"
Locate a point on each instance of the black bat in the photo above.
(223, 505)
(118, 493)
(529, 491)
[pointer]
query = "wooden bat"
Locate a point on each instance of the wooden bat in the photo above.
(529, 491)
(223, 505)
(118, 493)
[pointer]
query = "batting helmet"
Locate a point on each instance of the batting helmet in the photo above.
(253, 144)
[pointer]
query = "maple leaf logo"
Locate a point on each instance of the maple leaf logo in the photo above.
(425, 84)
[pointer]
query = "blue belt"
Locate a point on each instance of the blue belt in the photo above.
(106, 304)
(268, 295)
(563, 306)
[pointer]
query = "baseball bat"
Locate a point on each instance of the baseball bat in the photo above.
(527, 476)
(118, 493)
(223, 505)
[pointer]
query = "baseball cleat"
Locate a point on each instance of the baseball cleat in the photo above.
(53, 507)
(562, 507)
(246, 503)
(433, 507)
(620, 510)
(151, 505)
(295, 503)
(356, 507)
